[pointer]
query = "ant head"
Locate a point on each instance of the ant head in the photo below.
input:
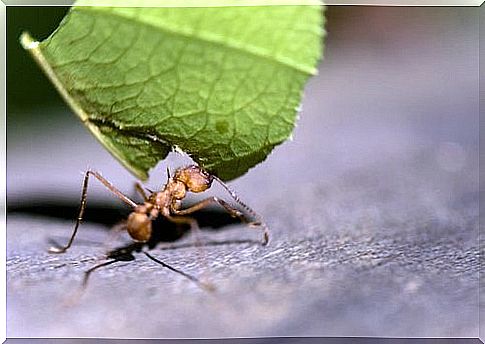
(139, 225)
(196, 179)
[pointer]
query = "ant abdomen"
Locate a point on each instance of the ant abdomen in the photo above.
(139, 226)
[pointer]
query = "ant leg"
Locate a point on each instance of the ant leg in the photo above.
(194, 228)
(74, 298)
(190, 221)
(87, 273)
(139, 188)
(126, 256)
(231, 210)
(201, 284)
(260, 222)
(114, 234)
(109, 186)
(207, 202)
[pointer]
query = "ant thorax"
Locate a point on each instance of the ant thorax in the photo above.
(177, 190)
(164, 200)
(161, 199)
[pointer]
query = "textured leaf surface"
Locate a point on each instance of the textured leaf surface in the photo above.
(222, 84)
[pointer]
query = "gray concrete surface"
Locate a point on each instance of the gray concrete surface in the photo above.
(373, 209)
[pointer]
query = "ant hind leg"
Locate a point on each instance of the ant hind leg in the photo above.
(82, 207)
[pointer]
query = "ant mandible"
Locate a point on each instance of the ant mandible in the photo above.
(167, 203)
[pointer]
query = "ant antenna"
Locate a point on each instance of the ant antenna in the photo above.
(168, 173)
(206, 286)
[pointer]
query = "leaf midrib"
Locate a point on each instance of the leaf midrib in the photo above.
(249, 49)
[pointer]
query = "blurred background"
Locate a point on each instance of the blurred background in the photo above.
(373, 204)
(383, 66)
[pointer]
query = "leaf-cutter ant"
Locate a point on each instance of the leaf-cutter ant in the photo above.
(166, 203)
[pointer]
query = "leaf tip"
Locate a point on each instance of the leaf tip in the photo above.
(27, 41)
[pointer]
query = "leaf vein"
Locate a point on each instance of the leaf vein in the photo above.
(254, 51)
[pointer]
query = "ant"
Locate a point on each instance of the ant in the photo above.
(165, 203)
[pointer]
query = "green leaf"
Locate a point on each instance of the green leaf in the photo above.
(222, 84)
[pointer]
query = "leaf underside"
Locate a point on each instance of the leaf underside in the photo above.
(222, 84)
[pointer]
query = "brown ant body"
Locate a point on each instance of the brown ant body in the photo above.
(166, 203)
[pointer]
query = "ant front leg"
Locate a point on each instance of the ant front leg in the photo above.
(109, 186)
(230, 209)
(184, 220)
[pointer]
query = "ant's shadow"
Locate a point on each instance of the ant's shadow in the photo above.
(169, 233)
(164, 231)
(126, 252)
(212, 218)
